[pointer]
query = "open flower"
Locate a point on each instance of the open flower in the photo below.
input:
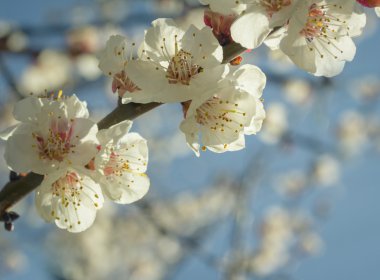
(113, 60)
(319, 35)
(219, 120)
(377, 10)
(122, 163)
(53, 134)
(70, 198)
(175, 65)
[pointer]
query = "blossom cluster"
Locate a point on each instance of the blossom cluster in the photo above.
(55, 138)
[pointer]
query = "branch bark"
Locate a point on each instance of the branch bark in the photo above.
(13, 192)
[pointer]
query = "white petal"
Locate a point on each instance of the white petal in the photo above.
(127, 188)
(250, 30)
(203, 46)
(26, 109)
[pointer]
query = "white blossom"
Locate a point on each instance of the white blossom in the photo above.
(122, 163)
(220, 119)
(70, 198)
(319, 35)
(175, 65)
(377, 10)
(52, 134)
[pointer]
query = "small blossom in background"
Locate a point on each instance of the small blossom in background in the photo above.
(122, 163)
(219, 120)
(113, 61)
(175, 65)
(275, 123)
(53, 133)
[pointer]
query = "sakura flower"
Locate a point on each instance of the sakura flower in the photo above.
(70, 199)
(377, 10)
(261, 16)
(113, 60)
(175, 65)
(53, 134)
(122, 161)
(220, 119)
(225, 7)
(319, 36)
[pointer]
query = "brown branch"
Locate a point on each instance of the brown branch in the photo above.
(15, 191)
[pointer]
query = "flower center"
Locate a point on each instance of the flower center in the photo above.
(322, 26)
(116, 165)
(274, 6)
(219, 115)
(181, 68)
(122, 83)
(56, 145)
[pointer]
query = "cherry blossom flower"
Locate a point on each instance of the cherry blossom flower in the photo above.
(377, 10)
(175, 65)
(52, 134)
(113, 60)
(70, 199)
(261, 16)
(319, 35)
(224, 115)
(122, 163)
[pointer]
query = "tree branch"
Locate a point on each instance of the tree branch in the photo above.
(13, 192)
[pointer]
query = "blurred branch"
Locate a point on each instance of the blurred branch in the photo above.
(15, 191)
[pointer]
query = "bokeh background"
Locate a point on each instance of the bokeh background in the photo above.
(300, 202)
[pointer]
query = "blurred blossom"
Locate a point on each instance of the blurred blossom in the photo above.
(12, 261)
(172, 7)
(292, 183)
(5, 28)
(373, 125)
(83, 40)
(326, 171)
(144, 244)
(366, 88)
(352, 133)
(50, 72)
(280, 232)
(311, 244)
(275, 123)
(17, 41)
(87, 65)
(298, 91)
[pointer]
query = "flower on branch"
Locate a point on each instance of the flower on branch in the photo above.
(53, 134)
(70, 198)
(175, 65)
(122, 163)
(219, 119)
